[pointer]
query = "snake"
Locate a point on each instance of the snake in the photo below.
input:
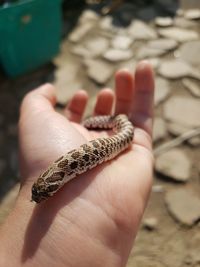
(87, 156)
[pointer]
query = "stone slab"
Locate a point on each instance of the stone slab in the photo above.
(115, 55)
(99, 71)
(80, 31)
(121, 42)
(159, 129)
(150, 223)
(192, 87)
(97, 46)
(176, 128)
(163, 44)
(184, 23)
(175, 69)
(174, 164)
(147, 52)
(141, 31)
(183, 110)
(66, 81)
(183, 205)
(162, 90)
(178, 34)
(189, 51)
(192, 14)
(164, 21)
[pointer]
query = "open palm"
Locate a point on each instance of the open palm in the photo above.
(92, 220)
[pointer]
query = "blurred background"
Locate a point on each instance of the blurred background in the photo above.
(79, 45)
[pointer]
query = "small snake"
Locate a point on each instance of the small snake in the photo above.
(87, 156)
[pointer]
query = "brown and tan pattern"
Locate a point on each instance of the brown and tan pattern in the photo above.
(86, 157)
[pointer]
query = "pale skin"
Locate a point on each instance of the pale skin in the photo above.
(93, 220)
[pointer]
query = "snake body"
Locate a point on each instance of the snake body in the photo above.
(87, 156)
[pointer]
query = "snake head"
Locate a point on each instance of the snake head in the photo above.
(39, 193)
(43, 191)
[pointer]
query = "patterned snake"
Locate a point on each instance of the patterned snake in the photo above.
(87, 156)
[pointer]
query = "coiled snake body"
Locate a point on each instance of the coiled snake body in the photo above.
(87, 156)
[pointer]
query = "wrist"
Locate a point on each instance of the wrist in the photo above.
(12, 233)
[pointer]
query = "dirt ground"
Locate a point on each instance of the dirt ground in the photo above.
(169, 243)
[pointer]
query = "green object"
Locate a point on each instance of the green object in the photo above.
(30, 33)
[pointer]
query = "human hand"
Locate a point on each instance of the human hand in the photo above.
(93, 219)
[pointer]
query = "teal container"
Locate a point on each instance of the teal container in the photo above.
(30, 32)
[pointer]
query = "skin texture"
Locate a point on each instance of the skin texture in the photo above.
(93, 220)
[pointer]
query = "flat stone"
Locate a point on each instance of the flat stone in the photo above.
(97, 46)
(174, 164)
(80, 31)
(106, 23)
(184, 23)
(193, 88)
(175, 69)
(162, 90)
(164, 21)
(178, 34)
(66, 81)
(88, 15)
(194, 141)
(179, 12)
(158, 188)
(183, 205)
(174, 111)
(121, 42)
(80, 50)
(176, 128)
(163, 44)
(141, 31)
(192, 14)
(115, 55)
(155, 62)
(99, 71)
(106, 34)
(159, 129)
(150, 223)
(146, 52)
(64, 54)
(129, 64)
(189, 51)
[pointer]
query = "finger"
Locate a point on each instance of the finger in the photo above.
(40, 99)
(124, 89)
(76, 107)
(142, 111)
(104, 102)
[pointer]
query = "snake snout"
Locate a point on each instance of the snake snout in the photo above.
(38, 194)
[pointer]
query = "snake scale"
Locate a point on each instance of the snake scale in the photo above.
(87, 156)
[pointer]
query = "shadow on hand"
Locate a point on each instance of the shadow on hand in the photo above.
(44, 213)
